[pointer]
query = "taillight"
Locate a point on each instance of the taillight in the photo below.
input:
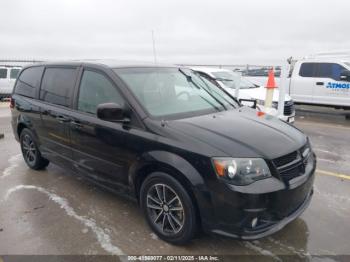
(12, 103)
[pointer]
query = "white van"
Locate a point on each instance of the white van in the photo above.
(321, 81)
(228, 80)
(8, 75)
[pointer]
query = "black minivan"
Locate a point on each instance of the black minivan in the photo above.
(187, 151)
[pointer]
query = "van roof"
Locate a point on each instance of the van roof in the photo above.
(104, 62)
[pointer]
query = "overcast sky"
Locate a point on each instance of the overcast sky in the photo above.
(186, 31)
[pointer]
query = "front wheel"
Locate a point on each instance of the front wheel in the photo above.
(30, 151)
(168, 208)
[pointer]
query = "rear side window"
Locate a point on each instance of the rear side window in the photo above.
(96, 89)
(307, 69)
(3, 73)
(29, 81)
(57, 85)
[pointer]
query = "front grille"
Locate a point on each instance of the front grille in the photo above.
(293, 164)
(293, 172)
(284, 160)
(289, 108)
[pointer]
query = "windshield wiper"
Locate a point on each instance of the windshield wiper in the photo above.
(223, 79)
(220, 95)
(189, 79)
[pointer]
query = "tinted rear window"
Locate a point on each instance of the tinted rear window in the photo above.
(31, 76)
(29, 81)
(307, 69)
(3, 73)
(57, 85)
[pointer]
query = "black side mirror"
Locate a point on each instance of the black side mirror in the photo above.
(111, 112)
(345, 75)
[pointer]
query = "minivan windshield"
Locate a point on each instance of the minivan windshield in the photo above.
(231, 80)
(174, 92)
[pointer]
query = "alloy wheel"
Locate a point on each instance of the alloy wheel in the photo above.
(165, 209)
(29, 149)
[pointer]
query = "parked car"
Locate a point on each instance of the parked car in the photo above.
(321, 81)
(8, 75)
(190, 155)
(263, 71)
(229, 80)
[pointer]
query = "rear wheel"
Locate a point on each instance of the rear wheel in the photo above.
(30, 151)
(168, 208)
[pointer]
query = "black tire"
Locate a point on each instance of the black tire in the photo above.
(168, 227)
(30, 151)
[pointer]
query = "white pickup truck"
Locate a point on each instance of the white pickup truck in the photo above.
(321, 81)
(8, 75)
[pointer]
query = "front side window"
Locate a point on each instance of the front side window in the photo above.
(173, 93)
(3, 73)
(330, 70)
(96, 89)
(57, 85)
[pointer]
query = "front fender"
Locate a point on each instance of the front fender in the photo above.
(167, 159)
(184, 168)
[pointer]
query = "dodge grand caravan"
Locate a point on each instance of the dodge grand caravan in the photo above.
(186, 150)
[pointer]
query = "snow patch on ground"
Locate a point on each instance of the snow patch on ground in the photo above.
(13, 164)
(102, 237)
(261, 250)
(299, 253)
(154, 236)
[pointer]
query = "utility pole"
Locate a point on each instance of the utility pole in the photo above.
(154, 48)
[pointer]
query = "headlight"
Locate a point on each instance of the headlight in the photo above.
(241, 171)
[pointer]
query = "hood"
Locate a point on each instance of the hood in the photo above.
(258, 93)
(242, 133)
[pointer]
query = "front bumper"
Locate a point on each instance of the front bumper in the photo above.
(272, 228)
(262, 208)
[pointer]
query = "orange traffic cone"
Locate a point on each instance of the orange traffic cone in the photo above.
(271, 83)
(270, 86)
